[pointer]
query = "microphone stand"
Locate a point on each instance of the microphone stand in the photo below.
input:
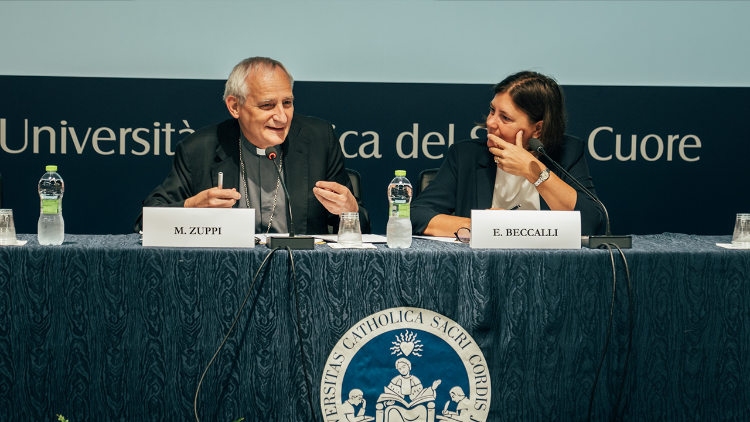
(291, 242)
(593, 242)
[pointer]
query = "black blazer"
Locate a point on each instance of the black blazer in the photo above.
(311, 153)
(466, 181)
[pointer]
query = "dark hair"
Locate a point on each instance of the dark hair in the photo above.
(541, 98)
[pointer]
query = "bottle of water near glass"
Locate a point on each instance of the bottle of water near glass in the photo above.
(51, 227)
(398, 230)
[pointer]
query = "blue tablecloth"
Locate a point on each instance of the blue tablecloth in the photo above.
(103, 329)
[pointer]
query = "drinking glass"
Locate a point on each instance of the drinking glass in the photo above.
(741, 236)
(7, 229)
(350, 234)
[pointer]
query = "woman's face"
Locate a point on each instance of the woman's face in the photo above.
(505, 121)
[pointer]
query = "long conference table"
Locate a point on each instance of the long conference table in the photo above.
(103, 329)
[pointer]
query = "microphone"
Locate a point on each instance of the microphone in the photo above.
(291, 242)
(594, 242)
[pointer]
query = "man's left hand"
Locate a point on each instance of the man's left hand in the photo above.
(335, 197)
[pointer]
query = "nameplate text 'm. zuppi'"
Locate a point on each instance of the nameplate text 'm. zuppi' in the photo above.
(199, 227)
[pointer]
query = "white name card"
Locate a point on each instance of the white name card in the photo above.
(199, 227)
(500, 229)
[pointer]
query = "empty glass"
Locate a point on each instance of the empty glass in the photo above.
(350, 234)
(741, 236)
(7, 229)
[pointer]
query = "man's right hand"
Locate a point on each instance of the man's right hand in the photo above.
(213, 198)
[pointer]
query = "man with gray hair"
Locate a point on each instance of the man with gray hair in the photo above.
(258, 95)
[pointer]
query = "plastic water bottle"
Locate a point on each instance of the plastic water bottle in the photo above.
(51, 228)
(398, 230)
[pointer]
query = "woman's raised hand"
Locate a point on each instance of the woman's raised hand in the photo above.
(512, 158)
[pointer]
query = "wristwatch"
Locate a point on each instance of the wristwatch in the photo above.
(544, 175)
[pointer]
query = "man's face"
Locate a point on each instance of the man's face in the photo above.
(266, 116)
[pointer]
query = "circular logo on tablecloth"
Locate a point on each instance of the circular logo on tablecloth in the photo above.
(405, 365)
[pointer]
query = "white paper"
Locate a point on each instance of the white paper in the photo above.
(438, 239)
(18, 243)
(364, 246)
(369, 238)
(731, 246)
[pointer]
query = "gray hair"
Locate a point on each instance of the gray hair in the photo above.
(236, 85)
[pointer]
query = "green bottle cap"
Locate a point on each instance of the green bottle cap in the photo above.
(51, 168)
(400, 172)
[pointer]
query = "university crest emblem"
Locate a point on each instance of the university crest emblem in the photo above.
(406, 365)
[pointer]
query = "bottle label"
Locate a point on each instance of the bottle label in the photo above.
(49, 206)
(401, 210)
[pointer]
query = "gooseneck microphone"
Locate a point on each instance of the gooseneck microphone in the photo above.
(292, 242)
(594, 242)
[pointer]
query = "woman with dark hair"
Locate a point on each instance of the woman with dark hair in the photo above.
(501, 172)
